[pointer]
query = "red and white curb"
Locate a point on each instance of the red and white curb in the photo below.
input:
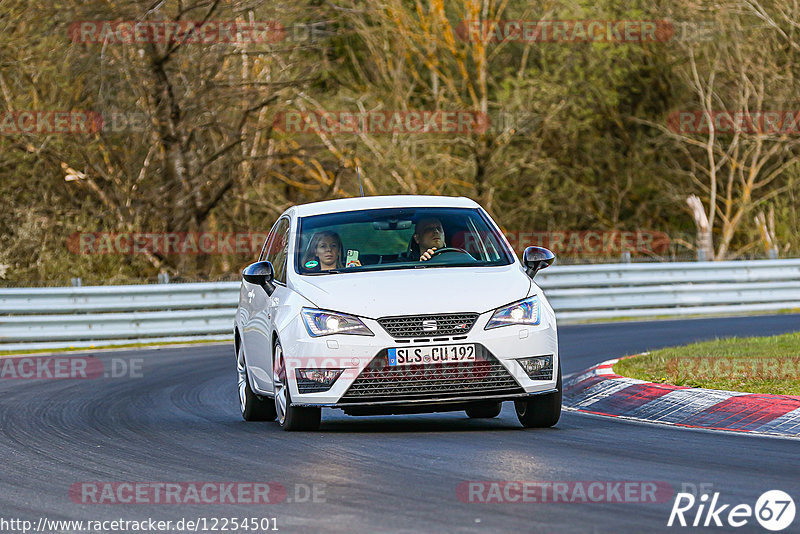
(599, 390)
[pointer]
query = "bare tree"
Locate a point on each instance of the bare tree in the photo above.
(738, 138)
(194, 148)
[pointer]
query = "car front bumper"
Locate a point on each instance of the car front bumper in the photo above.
(358, 356)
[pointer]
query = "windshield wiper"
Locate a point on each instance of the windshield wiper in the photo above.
(426, 265)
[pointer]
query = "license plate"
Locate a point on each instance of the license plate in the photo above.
(431, 354)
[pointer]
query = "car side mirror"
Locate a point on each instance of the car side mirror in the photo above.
(261, 274)
(536, 259)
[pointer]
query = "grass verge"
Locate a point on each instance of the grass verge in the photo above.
(753, 365)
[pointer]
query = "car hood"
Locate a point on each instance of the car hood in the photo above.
(415, 291)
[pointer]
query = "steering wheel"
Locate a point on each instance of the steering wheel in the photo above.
(449, 249)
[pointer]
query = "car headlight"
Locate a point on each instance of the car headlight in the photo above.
(524, 312)
(324, 323)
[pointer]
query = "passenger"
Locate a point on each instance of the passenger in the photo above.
(428, 236)
(325, 252)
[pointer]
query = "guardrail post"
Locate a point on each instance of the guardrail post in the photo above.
(626, 257)
(163, 278)
(76, 282)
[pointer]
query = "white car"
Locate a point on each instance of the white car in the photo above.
(394, 305)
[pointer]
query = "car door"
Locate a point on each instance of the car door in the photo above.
(250, 299)
(260, 305)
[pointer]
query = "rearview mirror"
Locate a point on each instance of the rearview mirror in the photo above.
(392, 224)
(260, 273)
(536, 259)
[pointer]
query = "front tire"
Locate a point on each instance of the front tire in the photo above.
(253, 407)
(541, 411)
(290, 417)
(484, 410)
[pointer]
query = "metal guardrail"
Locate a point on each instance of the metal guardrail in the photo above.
(43, 318)
(33, 318)
(90, 299)
(586, 292)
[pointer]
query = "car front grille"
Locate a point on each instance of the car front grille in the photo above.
(379, 382)
(428, 325)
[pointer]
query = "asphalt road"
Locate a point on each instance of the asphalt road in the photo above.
(176, 420)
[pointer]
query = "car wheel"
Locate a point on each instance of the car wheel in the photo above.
(485, 410)
(290, 417)
(541, 411)
(253, 407)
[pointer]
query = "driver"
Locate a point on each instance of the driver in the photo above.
(428, 235)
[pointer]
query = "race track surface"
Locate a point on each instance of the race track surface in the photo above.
(177, 420)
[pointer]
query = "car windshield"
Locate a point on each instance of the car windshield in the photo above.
(395, 238)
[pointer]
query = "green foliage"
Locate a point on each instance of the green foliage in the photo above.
(577, 139)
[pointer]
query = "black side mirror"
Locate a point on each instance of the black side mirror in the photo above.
(536, 259)
(260, 273)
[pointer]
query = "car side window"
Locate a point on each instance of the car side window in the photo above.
(278, 249)
(263, 255)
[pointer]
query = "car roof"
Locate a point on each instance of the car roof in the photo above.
(388, 201)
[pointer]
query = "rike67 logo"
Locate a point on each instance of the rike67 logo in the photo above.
(774, 510)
